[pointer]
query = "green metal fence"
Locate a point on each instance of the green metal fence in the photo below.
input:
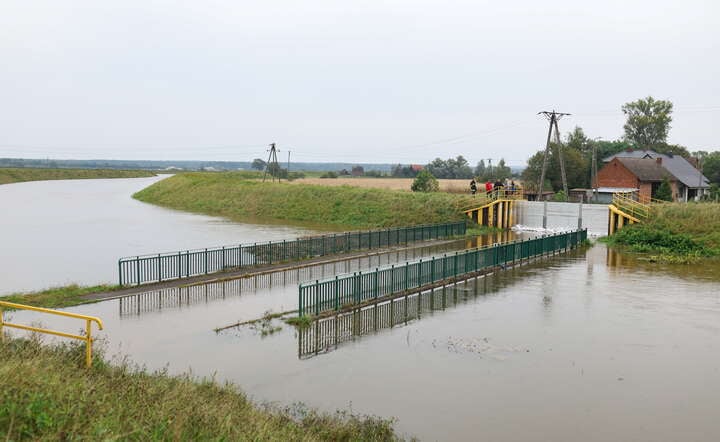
(136, 270)
(353, 289)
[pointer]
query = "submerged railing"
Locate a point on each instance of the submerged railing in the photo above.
(355, 289)
(160, 267)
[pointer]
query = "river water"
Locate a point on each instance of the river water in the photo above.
(589, 345)
(73, 231)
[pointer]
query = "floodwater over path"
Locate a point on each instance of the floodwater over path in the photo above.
(589, 345)
(73, 231)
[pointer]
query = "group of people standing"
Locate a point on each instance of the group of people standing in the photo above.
(509, 186)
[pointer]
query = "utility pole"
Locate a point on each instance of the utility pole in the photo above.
(272, 164)
(490, 174)
(553, 117)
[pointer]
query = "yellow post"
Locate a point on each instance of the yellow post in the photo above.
(621, 221)
(501, 210)
(491, 221)
(88, 343)
(611, 227)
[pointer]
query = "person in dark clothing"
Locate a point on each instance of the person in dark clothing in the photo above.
(473, 187)
(499, 186)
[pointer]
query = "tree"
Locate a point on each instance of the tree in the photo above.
(648, 122)
(664, 192)
(400, 171)
(711, 167)
(501, 171)
(480, 170)
(450, 168)
(258, 164)
(577, 169)
(425, 182)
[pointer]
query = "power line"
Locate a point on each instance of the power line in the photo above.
(553, 118)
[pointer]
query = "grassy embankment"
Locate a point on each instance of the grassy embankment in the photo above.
(16, 175)
(676, 232)
(58, 297)
(47, 394)
(231, 196)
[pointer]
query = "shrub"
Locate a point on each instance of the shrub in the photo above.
(425, 182)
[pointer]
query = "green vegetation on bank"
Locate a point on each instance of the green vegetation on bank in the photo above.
(231, 196)
(676, 232)
(59, 297)
(16, 175)
(47, 394)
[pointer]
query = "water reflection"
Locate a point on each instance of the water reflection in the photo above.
(642, 263)
(326, 334)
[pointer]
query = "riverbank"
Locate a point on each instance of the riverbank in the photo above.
(49, 395)
(231, 196)
(17, 175)
(675, 232)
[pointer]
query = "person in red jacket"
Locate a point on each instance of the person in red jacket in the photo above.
(488, 187)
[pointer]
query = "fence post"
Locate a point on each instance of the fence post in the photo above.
(317, 300)
(337, 294)
(377, 284)
(159, 269)
(580, 215)
(544, 212)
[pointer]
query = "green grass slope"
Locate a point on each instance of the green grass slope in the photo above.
(16, 175)
(675, 230)
(230, 195)
(47, 394)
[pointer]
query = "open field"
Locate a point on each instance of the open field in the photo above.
(451, 186)
(48, 395)
(17, 175)
(231, 196)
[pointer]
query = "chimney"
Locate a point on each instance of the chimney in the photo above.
(658, 160)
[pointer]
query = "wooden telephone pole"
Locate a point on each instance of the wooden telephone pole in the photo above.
(553, 118)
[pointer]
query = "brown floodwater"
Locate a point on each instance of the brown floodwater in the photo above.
(588, 345)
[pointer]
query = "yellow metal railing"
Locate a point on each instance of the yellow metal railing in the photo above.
(484, 198)
(626, 203)
(88, 325)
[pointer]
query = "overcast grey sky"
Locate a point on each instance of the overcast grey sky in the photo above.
(370, 81)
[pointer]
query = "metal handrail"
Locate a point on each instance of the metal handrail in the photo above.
(88, 325)
(495, 195)
(625, 202)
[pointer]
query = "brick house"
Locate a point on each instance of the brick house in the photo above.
(644, 170)
(641, 174)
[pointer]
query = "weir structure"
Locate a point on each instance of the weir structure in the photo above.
(358, 289)
(497, 210)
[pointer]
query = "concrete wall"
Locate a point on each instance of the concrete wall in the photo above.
(563, 215)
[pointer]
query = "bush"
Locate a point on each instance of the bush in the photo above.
(425, 182)
(664, 192)
(329, 175)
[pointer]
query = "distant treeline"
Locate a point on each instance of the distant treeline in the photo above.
(178, 165)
